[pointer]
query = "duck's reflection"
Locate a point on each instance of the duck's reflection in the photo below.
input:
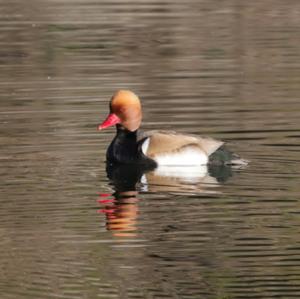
(121, 209)
(121, 213)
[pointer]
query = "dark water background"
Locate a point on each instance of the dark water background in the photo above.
(229, 69)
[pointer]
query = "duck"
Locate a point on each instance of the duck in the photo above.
(154, 148)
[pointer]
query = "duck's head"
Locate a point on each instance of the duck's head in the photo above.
(125, 110)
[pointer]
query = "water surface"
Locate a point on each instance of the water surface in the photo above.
(225, 69)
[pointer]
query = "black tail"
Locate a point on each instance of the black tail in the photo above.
(223, 156)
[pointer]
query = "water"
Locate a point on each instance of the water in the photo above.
(225, 69)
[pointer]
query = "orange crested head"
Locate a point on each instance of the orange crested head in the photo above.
(125, 109)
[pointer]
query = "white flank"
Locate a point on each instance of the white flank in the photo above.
(190, 174)
(145, 146)
(187, 157)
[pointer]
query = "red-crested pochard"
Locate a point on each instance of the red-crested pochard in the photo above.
(155, 148)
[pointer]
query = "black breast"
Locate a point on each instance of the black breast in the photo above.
(126, 149)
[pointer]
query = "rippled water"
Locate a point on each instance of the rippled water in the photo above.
(228, 69)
